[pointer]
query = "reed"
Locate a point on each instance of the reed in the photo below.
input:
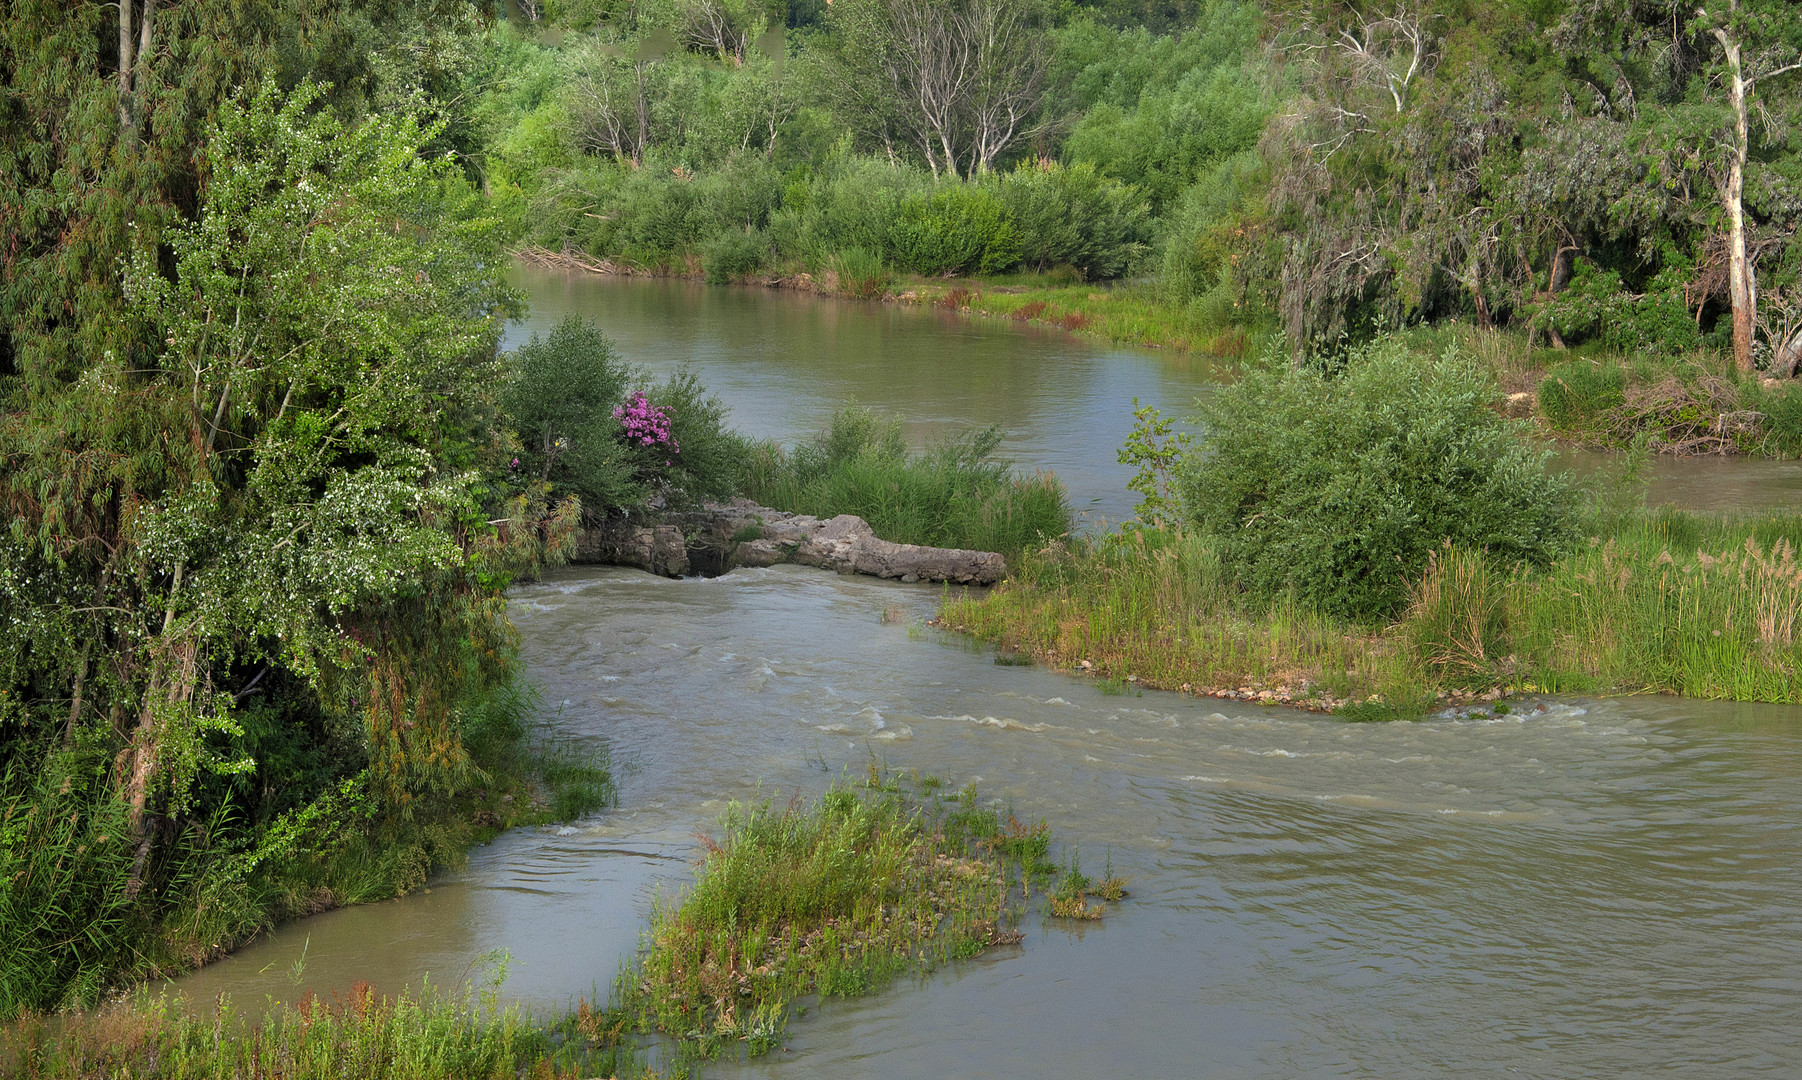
(354, 1036)
(956, 494)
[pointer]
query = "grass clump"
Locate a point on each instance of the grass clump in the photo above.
(956, 494)
(833, 898)
(1692, 604)
(1161, 606)
(359, 1036)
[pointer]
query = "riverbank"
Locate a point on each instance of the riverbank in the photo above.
(1669, 602)
(835, 898)
(1689, 403)
(343, 848)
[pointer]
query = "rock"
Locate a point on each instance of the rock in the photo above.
(761, 552)
(657, 548)
(721, 536)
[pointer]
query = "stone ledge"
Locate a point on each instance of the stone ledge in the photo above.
(721, 536)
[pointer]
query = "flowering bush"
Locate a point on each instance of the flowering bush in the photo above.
(645, 424)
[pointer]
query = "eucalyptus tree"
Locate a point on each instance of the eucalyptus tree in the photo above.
(1760, 41)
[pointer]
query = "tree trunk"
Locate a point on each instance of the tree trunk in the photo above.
(1742, 287)
(125, 56)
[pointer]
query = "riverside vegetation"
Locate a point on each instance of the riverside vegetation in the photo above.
(1595, 181)
(267, 477)
(1440, 562)
(956, 494)
(834, 898)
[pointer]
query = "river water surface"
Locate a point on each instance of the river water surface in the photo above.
(1579, 888)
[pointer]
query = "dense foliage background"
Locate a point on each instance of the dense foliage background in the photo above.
(1322, 168)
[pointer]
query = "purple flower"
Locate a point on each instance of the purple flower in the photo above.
(645, 423)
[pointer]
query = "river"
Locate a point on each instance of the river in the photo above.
(1581, 888)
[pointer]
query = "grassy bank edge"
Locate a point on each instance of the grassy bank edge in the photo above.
(835, 897)
(1702, 606)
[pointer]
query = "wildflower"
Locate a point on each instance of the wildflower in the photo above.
(645, 423)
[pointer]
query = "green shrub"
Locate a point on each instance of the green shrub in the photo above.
(1574, 395)
(652, 217)
(733, 256)
(1162, 109)
(1595, 306)
(957, 228)
(851, 205)
(1201, 235)
(1337, 487)
(561, 400)
(710, 455)
(1073, 216)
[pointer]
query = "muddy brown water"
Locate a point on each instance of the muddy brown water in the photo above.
(1579, 888)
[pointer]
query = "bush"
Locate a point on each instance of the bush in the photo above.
(956, 229)
(710, 455)
(561, 402)
(1074, 216)
(1575, 394)
(1595, 306)
(733, 256)
(851, 206)
(1336, 488)
(1203, 232)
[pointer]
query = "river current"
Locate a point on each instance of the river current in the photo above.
(1578, 888)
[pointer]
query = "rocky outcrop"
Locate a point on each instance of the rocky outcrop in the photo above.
(661, 549)
(741, 533)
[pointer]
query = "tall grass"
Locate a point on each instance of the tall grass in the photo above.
(1159, 607)
(358, 1036)
(833, 898)
(1667, 602)
(955, 494)
(1698, 605)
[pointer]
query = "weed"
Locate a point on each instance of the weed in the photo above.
(958, 298)
(1068, 898)
(833, 898)
(1693, 604)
